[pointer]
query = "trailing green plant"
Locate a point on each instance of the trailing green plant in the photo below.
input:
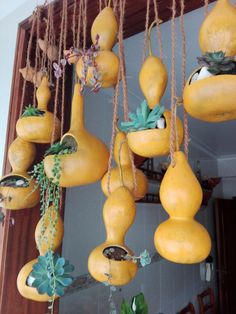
(143, 119)
(144, 258)
(2, 218)
(60, 148)
(138, 305)
(218, 63)
(30, 111)
(52, 275)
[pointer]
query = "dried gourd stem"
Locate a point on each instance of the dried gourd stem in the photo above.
(79, 24)
(173, 85)
(37, 55)
(84, 23)
(58, 79)
(146, 31)
(73, 23)
(159, 36)
(183, 70)
(34, 17)
(114, 122)
(206, 4)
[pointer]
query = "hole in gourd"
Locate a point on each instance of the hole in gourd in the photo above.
(115, 253)
(71, 142)
(14, 181)
(161, 123)
(194, 76)
(67, 146)
(29, 280)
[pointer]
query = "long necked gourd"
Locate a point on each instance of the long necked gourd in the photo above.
(123, 173)
(90, 160)
(39, 129)
(181, 238)
(118, 215)
(218, 31)
(22, 194)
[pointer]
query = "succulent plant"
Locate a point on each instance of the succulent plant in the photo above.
(60, 148)
(30, 111)
(218, 63)
(143, 119)
(51, 274)
(138, 305)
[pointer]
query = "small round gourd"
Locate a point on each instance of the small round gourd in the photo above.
(39, 129)
(89, 163)
(154, 142)
(118, 215)
(124, 171)
(181, 239)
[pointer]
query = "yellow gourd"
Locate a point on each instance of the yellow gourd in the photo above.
(89, 163)
(123, 173)
(39, 129)
(118, 215)
(21, 154)
(154, 142)
(153, 77)
(211, 99)
(105, 25)
(24, 289)
(43, 233)
(218, 31)
(181, 239)
(108, 66)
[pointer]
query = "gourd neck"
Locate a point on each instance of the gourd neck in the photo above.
(77, 110)
(115, 236)
(43, 94)
(121, 150)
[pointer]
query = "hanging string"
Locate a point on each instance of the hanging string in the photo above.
(51, 39)
(159, 36)
(46, 40)
(73, 23)
(37, 54)
(84, 23)
(183, 70)
(100, 5)
(146, 31)
(34, 17)
(206, 5)
(79, 24)
(115, 5)
(173, 85)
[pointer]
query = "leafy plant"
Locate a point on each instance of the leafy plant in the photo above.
(31, 111)
(60, 148)
(218, 63)
(143, 119)
(52, 274)
(138, 305)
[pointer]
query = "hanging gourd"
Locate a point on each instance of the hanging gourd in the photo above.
(148, 131)
(36, 124)
(181, 239)
(87, 159)
(123, 173)
(111, 257)
(17, 190)
(210, 90)
(100, 65)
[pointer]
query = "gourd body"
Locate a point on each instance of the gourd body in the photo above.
(154, 142)
(211, 99)
(108, 66)
(218, 31)
(181, 239)
(153, 80)
(118, 215)
(106, 27)
(43, 237)
(123, 173)
(89, 163)
(39, 129)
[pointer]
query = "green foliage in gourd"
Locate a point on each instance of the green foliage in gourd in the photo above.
(31, 111)
(218, 63)
(60, 148)
(138, 305)
(51, 274)
(143, 119)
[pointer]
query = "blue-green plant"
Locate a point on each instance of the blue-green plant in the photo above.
(143, 119)
(138, 305)
(30, 111)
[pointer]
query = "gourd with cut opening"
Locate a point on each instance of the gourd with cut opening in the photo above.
(153, 77)
(89, 161)
(24, 284)
(154, 142)
(118, 215)
(39, 129)
(181, 239)
(123, 173)
(44, 238)
(17, 189)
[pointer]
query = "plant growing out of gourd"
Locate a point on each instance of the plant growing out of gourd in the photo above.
(138, 305)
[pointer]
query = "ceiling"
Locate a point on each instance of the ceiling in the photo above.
(210, 140)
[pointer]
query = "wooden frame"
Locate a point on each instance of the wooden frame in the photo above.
(17, 245)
